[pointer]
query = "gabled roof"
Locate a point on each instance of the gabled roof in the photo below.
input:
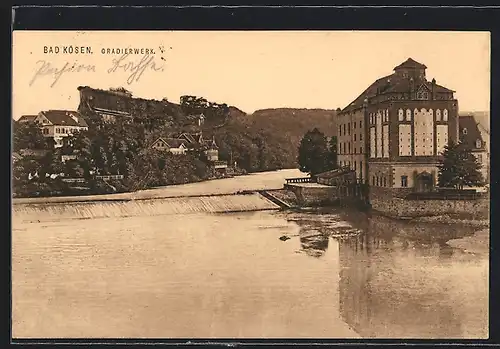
(472, 134)
(192, 137)
(27, 118)
(171, 142)
(371, 91)
(65, 118)
(410, 63)
(210, 143)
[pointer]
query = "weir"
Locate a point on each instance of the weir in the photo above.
(51, 212)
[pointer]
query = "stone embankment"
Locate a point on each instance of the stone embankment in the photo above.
(479, 243)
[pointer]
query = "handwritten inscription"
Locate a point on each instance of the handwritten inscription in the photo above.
(128, 62)
(47, 69)
(135, 68)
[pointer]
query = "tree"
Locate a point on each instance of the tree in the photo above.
(27, 136)
(459, 167)
(332, 153)
(313, 152)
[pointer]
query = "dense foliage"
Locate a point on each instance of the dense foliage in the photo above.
(316, 154)
(459, 168)
(266, 140)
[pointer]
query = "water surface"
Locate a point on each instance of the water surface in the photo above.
(137, 272)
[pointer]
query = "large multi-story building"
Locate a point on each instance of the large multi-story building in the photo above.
(394, 132)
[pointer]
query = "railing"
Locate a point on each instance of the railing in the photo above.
(220, 164)
(298, 180)
(74, 180)
(440, 195)
(108, 177)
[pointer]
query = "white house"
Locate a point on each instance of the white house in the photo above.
(59, 124)
(173, 145)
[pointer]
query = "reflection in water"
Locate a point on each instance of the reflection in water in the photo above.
(314, 245)
(230, 275)
(400, 279)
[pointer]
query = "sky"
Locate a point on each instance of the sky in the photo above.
(248, 69)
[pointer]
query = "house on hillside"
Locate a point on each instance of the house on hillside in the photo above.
(27, 119)
(59, 124)
(472, 139)
(195, 141)
(173, 145)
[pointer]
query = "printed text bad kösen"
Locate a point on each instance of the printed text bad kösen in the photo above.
(89, 51)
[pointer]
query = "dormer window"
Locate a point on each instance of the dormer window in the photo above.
(464, 131)
(478, 143)
(422, 95)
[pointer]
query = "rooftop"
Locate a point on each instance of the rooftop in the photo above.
(471, 134)
(396, 83)
(410, 63)
(65, 118)
(27, 118)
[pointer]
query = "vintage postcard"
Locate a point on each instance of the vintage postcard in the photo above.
(250, 184)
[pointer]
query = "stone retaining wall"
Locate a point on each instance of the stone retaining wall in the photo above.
(313, 196)
(389, 203)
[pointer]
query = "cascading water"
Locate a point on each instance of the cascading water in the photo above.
(167, 206)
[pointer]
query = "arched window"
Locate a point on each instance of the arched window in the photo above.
(445, 115)
(430, 112)
(400, 115)
(408, 115)
(438, 115)
(478, 143)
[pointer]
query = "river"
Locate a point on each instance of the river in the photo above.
(154, 273)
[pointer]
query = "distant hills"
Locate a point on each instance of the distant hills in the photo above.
(269, 138)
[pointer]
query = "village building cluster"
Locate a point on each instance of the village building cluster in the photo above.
(113, 104)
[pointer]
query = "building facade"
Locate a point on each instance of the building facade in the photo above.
(406, 121)
(173, 145)
(471, 137)
(59, 124)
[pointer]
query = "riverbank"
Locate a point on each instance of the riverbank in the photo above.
(225, 186)
(449, 219)
(479, 243)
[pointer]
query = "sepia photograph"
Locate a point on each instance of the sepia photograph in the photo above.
(250, 184)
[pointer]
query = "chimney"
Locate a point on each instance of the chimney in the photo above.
(433, 84)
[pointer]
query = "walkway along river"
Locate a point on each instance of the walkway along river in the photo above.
(167, 268)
